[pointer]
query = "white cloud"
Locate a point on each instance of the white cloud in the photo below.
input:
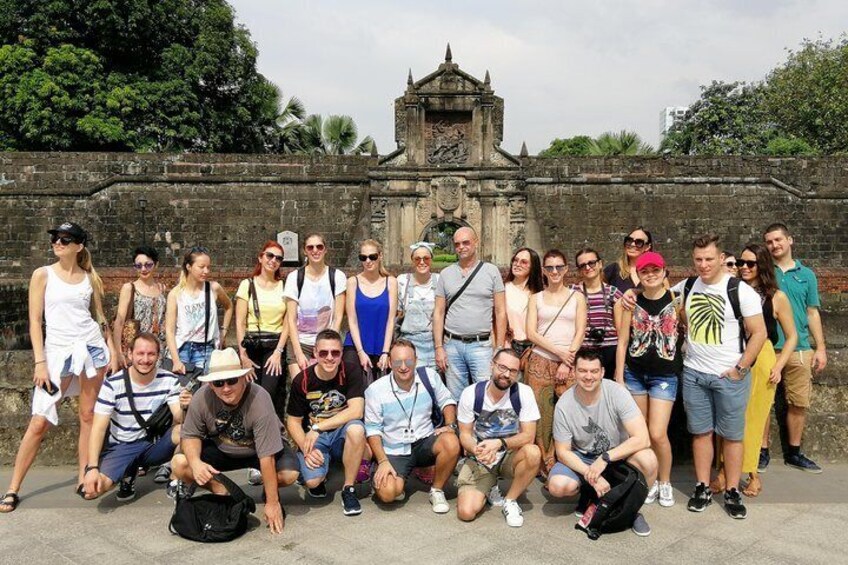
(563, 68)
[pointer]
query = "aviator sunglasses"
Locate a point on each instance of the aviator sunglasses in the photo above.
(273, 257)
(331, 353)
(146, 265)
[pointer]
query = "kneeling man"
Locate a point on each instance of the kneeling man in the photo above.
(497, 427)
(597, 422)
(232, 424)
(401, 413)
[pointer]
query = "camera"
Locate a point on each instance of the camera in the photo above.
(597, 334)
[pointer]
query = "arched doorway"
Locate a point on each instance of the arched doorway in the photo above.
(440, 233)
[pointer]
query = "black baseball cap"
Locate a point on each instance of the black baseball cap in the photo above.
(72, 229)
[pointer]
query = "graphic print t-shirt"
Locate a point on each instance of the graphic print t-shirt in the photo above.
(653, 336)
(591, 430)
(713, 335)
(324, 399)
(315, 304)
(497, 419)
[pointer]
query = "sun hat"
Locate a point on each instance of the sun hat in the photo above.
(223, 364)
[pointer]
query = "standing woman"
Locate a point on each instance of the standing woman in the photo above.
(416, 301)
(756, 267)
(372, 299)
(622, 274)
(191, 321)
(261, 329)
(142, 300)
(556, 324)
(72, 358)
(314, 302)
(602, 318)
(523, 281)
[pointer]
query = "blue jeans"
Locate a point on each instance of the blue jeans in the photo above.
(331, 444)
(425, 351)
(660, 387)
(715, 403)
(122, 459)
(197, 354)
(468, 363)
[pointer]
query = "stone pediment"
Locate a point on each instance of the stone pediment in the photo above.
(449, 79)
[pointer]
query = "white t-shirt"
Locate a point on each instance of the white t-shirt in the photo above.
(713, 336)
(497, 419)
(315, 305)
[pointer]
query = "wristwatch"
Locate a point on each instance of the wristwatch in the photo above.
(453, 426)
(281, 350)
(605, 456)
(743, 371)
(314, 428)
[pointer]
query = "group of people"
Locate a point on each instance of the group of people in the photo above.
(457, 372)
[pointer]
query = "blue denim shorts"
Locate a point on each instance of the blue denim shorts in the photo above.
(561, 468)
(98, 356)
(197, 354)
(660, 387)
(121, 459)
(715, 403)
(331, 444)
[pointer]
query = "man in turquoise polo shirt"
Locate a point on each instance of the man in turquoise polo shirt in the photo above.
(801, 286)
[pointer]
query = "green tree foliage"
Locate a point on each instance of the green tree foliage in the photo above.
(610, 144)
(577, 146)
(138, 75)
(335, 135)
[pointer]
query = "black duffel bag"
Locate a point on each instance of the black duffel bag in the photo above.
(213, 518)
(617, 509)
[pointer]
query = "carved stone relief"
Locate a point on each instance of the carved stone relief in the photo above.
(447, 138)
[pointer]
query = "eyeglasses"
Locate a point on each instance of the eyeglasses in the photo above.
(316, 247)
(741, 263)
(588, 264)
(371, 257)
(503, 369)
(64, 240)
(408, 363)
(229, 382)
(463, 243)
(635, 242)
(146, 265)
(273, 257)
(555, 268)
(331, 353)
(422, 259)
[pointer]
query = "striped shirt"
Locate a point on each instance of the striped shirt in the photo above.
(599, 314)
(112, 401)
(388, 409)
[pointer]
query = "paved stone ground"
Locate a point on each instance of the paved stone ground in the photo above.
(800, 518)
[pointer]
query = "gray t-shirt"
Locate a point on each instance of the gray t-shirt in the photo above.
(596, 428)
(472, 312)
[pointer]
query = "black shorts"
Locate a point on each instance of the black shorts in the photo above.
(285, 458)
(422, 456)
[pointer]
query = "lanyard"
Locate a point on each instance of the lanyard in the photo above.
(412, 410)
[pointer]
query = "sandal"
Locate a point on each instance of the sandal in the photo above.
(10, 500)
(81, 491)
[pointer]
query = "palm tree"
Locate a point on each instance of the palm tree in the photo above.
(289, 122)
(335, 135)
(623, 143)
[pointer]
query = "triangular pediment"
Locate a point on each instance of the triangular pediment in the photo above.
(448, 78)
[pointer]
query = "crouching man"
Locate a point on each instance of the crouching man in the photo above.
(232, 424)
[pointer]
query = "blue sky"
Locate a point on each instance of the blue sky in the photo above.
(564, 68)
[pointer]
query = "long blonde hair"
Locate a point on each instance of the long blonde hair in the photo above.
(379, 247)
(623, 264)
(84, 263)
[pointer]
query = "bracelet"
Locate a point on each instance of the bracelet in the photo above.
(40, 362)
(383, 461)
(503, 444)
(439, 347)
(91, 468)
(384, 353)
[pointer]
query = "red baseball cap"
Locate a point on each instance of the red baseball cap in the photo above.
(650, 259)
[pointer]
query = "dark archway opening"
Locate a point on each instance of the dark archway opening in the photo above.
(440, 233)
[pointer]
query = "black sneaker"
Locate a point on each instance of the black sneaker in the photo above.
(163, 474)
(733, 505)
(763, 463)
(802, 462)
(126, 489)
(702, 498)
(349, 501)
(318, 492)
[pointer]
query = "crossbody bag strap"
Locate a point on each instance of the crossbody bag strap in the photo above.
(129, 392)
(232, 488)
(558, 312)
(456, 296)
(251, 293)
(154, 325)
(207, 294)
(131, 307)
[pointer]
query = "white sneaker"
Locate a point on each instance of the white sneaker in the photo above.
(653, 493)
(438, 501)
(666, 495)
(513, 514)
(495, 497)
(254, 477)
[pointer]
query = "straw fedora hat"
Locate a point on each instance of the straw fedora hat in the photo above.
(223, 364)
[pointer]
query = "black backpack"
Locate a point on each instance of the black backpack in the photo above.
(213, 518)
(617, 509)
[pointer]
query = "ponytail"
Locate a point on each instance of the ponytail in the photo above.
(84, 263)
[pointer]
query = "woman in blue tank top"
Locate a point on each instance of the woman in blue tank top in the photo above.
(371, 306)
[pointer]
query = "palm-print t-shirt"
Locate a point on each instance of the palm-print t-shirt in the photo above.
(712, 338)
(653, 336)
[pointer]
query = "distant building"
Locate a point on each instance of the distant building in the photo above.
(670, 116)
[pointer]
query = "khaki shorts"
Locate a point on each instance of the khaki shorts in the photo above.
(798, 379)
(472, 475)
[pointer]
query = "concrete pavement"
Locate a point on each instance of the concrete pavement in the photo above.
(799, 518)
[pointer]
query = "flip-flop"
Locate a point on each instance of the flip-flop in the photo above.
(81, 491)
(15, 500)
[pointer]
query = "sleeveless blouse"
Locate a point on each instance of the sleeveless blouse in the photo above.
(145, 308)
(371, 316)
(67, 312)
(562, 330)
(191, 318)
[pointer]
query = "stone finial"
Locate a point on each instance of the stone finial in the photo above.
(487, 81)
(409, 78)
(448, 55)
(524, 152)
(374, 152)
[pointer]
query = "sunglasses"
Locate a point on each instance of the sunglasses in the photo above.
(555, 268)
(521, 262)
(331, 353)
(463, 243)
(408, 363)
(273, 257)
(64, 240)
(199, 249)
(316, 247)
(371, 257)
(422, 259)
(635, 242)
(742, 263)
(229, 382)
(503, 369)
(588, 264)
(147, 265)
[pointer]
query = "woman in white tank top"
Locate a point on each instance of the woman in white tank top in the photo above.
(72, 358)
(556, 324)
